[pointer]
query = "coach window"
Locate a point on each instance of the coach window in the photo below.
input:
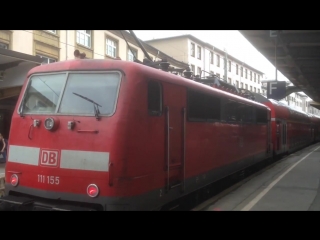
(261, 115)
(203, 107)
(154, 98)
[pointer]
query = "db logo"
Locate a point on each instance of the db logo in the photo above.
(49, 158)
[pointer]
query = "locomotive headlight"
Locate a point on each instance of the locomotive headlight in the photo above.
(14, 180)
(49, 123)
(92, 190)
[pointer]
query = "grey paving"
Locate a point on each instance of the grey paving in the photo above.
(298, 190)
(2, 168)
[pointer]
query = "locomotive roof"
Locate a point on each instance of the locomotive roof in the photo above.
(106, 64)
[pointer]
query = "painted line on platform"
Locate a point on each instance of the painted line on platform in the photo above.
(254, 201)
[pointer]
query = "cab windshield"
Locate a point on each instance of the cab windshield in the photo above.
(71, 93)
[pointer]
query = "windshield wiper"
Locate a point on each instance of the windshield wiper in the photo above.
(95, 105)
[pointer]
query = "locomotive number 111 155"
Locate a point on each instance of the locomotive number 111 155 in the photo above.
(53, 180)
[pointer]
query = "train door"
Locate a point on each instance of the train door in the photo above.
(175, 127)
(269, 141)
(278, 136)
(284, 136)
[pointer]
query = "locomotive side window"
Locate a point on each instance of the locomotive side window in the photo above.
(261, 115)
(154, 98)
(43, 93)
(246, 113)
(203, 107)
(230, 111)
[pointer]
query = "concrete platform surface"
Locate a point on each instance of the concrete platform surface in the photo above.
(2, 169)
(291, 184)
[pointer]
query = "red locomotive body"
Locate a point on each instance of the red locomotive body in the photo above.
(117, 135)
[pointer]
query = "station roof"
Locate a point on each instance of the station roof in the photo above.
(13, 67)
(298, 56)
(9, 58)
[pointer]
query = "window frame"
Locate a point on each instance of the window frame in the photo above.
(53, 31)
(193, 49)
(56, 113)
(199, 49)
(211, 58)
(44, 56)
(116, 48)
(4, 44)
(78, 31)
(128, 54)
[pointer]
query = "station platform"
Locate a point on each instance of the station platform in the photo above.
(2, 169)
(290, 184)
(2, 175)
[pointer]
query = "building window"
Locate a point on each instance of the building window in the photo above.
(111, 48)
(250, 76)
(211, 73)
(192, 50)
(258, 90)
(255, 90)
(229, 80)
(251, 88)
(198, 71)
(132, 55)
(246, 86)
(3, 45)
(229, 65)
(52, 31)
(84, 37)
(241, 85)
(193, 69)
(218, 60)
(237, 69)
(199, 52)
(258, 78)
(254, 77)
(211, 57)
(246, 73)
(46, 60)
(241, 69)
(237, 82)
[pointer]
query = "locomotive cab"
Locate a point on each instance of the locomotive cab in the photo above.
(60, 137)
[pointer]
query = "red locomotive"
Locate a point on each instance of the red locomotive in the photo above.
(115, 135)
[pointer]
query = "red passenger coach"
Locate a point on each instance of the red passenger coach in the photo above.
(116, 135)
(316, 127)
(291, 129)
